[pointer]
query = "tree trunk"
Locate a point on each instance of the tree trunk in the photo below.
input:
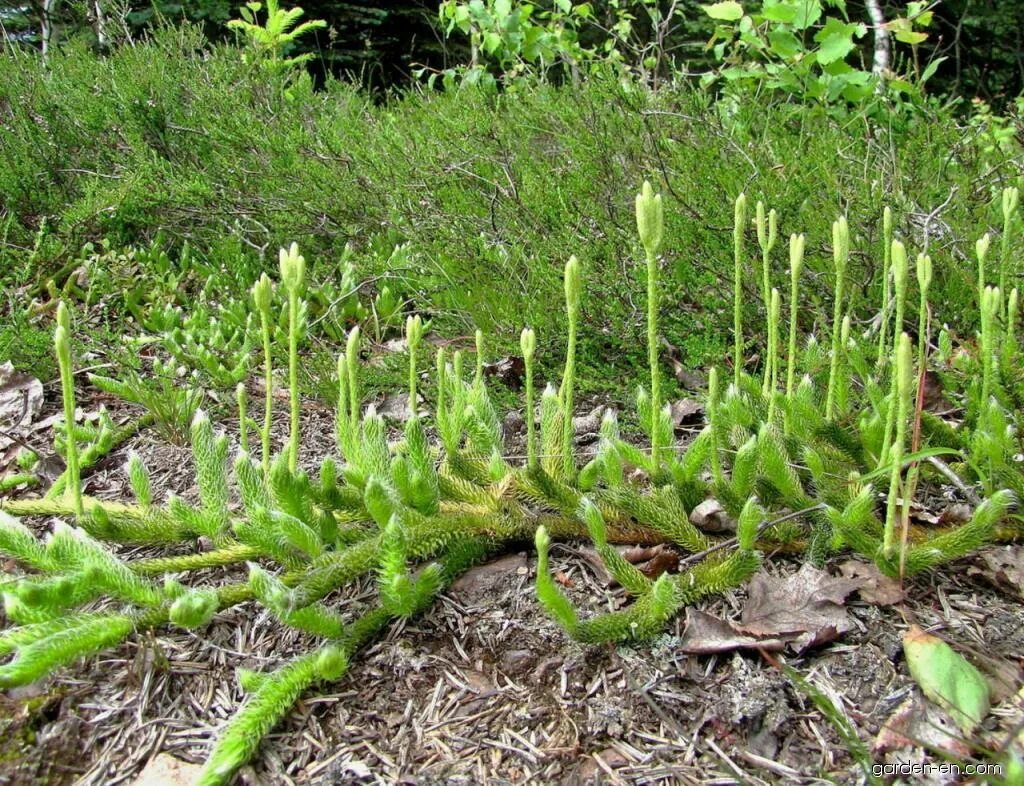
(880, 65)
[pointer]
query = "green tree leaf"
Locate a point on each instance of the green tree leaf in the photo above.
(784, 43)
(727, 11)
(947, 678)
(835, 40)
(782, 11)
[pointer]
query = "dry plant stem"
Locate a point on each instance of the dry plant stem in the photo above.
(761, 527)
(944, 469)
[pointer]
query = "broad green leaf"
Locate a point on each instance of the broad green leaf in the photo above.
(727, 11)
(784, 43)
(929, 70)
(779, 11)
(911, 37)
(808, 12)
(947, 678)
(835, 40)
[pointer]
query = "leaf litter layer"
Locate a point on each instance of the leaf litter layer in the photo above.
(485, 688)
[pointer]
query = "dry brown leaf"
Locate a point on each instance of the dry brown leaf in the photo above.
(919, 723)
(1003, 567)
(706, 634)
(21, 399)
(509, 370)
(710, 516)
(652, 561)
(806, 607)
(875, 587)
(687, 412)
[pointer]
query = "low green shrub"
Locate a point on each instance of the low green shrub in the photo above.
(482, 191)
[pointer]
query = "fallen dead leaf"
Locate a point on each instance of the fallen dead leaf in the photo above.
(509, 370)
(652, 561)
(480, 580)
(706, 634)
(710, 516)
(805, 607)
(687, 412)
(918, 723)
(21, 399)
(1003, 568)
(875, 587)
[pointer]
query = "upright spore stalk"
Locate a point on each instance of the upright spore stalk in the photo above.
(262, 292)
(62, 344)
(650, 223)
(739, 222)
(840, 257)
(883, 328)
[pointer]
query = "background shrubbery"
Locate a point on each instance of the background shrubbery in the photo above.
(492, 191)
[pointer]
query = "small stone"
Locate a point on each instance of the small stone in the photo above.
(709, 516)
(165, 770)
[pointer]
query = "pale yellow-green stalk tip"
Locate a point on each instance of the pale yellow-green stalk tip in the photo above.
(924, 271)
(293, 267)
(796, 254)
(899, 263)
(261, 293)
(352, 346)
(573, 282)
(981, 246)
(650, 218)
(1011, 196)
(528, 343)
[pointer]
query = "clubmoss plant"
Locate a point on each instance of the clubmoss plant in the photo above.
(883, 315)
(923, 269)
(528, 344)
(573, 291)
(1010, 200)
(241, 396)
(478, 379)
(903, 369)
(981, 247)
(991, 300)
(738, 227)
(840, 258)
(650, 223)
(772, 372)
(796, 263)
(293, 279)
(767, 235)
(899, 277)
(415, 515)
(62, 342)
(262, 294)
(413, 337)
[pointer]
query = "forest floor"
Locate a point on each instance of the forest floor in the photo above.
(484, 688)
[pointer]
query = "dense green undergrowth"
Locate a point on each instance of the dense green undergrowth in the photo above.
(178, 138)
(820, 449)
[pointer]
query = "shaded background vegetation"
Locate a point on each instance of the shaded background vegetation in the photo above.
(380, 44)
